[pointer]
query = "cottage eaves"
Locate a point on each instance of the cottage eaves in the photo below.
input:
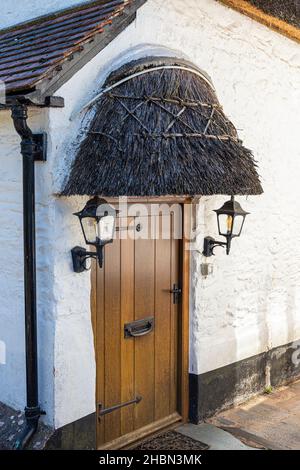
(38, 57)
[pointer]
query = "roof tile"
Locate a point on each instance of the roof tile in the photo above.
(31, 51)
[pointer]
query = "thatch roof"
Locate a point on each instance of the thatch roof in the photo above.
(281, 16)
(288, 11)
(161, 133)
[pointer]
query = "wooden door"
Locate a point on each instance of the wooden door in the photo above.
(139, 273)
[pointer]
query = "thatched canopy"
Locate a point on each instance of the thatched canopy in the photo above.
(161, 133)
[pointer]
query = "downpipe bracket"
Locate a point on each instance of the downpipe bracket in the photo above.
(35, 147)
(40, 150)
(33, 412)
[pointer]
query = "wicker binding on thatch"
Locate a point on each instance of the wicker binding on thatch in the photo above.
(162, 133)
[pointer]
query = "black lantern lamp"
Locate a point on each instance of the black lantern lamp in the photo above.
(231, 218)
(97, 220)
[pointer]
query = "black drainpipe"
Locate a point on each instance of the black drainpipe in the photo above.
(29, 148)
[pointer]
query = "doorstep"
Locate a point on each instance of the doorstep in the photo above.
(214, 437)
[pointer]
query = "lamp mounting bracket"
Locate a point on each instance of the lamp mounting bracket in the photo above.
(81, 255)
(210, 244)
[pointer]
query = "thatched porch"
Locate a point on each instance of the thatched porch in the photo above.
(160, 133)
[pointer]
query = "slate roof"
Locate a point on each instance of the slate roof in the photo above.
(43, 53)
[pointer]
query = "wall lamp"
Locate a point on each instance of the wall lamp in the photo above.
(231, 218)
(97, 220)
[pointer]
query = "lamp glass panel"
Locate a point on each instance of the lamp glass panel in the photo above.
(106, 227)
(225, 223)
(238, 225)
(89, 225)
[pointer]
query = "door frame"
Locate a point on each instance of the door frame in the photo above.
(183, 336)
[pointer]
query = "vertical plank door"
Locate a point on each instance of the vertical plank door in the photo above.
(135, 284)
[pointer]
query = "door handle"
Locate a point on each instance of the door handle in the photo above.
(104, 411)
(139, 328)
(176, 291)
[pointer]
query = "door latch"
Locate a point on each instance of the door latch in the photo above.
(176, 291)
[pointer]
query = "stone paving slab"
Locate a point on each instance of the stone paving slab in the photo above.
(216, 438)
(271, 420)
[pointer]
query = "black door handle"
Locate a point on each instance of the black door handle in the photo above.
(176, 291)
(104, 411)
(139, 328)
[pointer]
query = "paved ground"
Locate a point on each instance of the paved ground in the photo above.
(12, 423)
(216, 438)
(269, 421)
(266, 422)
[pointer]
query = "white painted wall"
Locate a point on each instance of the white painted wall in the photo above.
(251, 301)
(18, 11)
(12, 366)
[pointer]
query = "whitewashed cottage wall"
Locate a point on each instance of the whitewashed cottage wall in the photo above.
(251, 301)
(12, 361)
